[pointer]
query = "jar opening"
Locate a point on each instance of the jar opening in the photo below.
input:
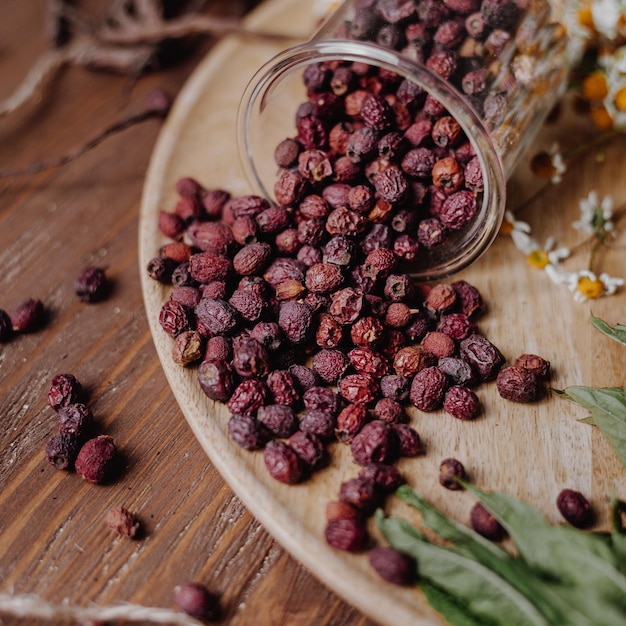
(269, 108)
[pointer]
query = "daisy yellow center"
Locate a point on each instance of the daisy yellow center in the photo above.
(594, 86)
(590, 288)
(538, 259)
(620, 99)
(601, 118)
(585, 18)
(506, 228)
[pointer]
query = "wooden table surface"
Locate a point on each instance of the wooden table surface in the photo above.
(53, 540)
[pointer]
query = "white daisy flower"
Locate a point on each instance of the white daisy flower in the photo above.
(591, 212)
(606, 16)
(586, 285)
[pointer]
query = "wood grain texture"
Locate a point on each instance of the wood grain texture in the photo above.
(53, 541)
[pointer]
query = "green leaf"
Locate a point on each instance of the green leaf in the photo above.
(617, 332)
(618, 535)
(448, 606)
(608, 412)
(486, 596)
(562, 552)
(472, 545)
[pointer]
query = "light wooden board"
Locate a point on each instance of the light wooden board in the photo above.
(531, 451)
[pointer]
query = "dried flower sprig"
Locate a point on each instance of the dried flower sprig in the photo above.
(596, 219)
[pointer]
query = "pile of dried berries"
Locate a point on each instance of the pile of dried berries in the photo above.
(302, 316)
(312, 334)
(74, 447)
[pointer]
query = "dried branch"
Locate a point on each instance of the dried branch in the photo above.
(127, 41)
(117, 127)
(186, 26)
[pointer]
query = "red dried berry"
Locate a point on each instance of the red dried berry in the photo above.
(574, 508)
(91, 284)
(392, 565)
(196, 600)
(485, 524)
(123, 522)
(517, 384)
(282, 462)
(97, 460)
(349, 535)
(64, 389)
(461, 402)
(449, 470)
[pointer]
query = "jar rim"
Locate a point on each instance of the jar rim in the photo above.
(299, 56)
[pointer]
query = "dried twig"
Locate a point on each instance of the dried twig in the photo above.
(40, 166)
(127, 41)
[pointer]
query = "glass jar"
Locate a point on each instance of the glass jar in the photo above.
(425, 105)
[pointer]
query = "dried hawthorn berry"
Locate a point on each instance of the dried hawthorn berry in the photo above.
(350, 421)
(218, 316)
(517, 384)
(250, 358)
(309, 448)
(75, 419)
(574, 508)
(368, 361)
(28, 316)
(123, 522)
(321, 399)
(217, 379)
(461, 402)
(187, 348)
(360, 493)
(407, 440)
(248, 396)
(336, 509)
(459, 372)
(349, 535)
(196, 600)
(64, 389)
(471, 302)
(485, 524)
(295, 320)
(395, 386)
(282, 386)
(392, 565)
(304, 376)
(373, 444)
(330, 365)
(535, 364)
(282, 462)
(279, 419)
(449, 470)
(456, 325)
(318, 422)
(428, 389)
(389, 411)
(439, 344)
(97, 460)
(62, 450)
(358, 388)
(458, 209)
(482, 355)
(441, 299)
(91, 284)
(246, 432)
(386, 477)
(175, 318)
(6, 327)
